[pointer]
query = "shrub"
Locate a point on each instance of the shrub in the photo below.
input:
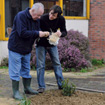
(97, 62)
(68, 90)
(33, 60)
(4, 62)
(73, 52)
(72, 58)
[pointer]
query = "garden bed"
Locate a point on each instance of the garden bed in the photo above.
(55, 97)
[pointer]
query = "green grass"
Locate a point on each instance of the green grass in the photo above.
(3, 67)
(25, 101)
(84, 70)
(98, 62)
(73, 69)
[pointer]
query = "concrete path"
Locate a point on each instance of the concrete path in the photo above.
(91, 80)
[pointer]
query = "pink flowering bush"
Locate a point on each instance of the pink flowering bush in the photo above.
(73, 58)
(73, 52)
(33, 58)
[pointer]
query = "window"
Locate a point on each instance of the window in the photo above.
(47, 4)
(73, 8)
(78, 9)
(12, 7)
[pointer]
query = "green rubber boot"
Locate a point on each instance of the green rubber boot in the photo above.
(27, 88)
(15, 88)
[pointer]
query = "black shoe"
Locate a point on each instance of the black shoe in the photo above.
(41, 90)
(60, 88)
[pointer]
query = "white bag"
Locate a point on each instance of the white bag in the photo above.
(53, 39)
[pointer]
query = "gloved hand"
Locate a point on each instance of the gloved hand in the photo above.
(53, 39)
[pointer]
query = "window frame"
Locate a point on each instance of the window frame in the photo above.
(78, 17)
(2, 19)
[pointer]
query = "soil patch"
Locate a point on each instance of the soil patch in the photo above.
(55, 97)
(91, 80)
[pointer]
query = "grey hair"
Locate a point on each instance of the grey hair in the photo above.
(37, 6)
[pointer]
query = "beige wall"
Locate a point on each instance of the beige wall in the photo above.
(80, 25)
(3, 50)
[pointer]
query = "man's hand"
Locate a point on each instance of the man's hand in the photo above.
(58, 33)
(43, 34)
(53, 39)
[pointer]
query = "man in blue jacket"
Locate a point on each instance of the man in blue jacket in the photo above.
(26, 28)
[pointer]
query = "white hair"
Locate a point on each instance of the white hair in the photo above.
(38, 6)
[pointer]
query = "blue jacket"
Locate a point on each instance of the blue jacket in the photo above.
(25, 31)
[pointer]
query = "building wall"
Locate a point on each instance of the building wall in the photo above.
(97, 29)
(80, 25)
(3, 50)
